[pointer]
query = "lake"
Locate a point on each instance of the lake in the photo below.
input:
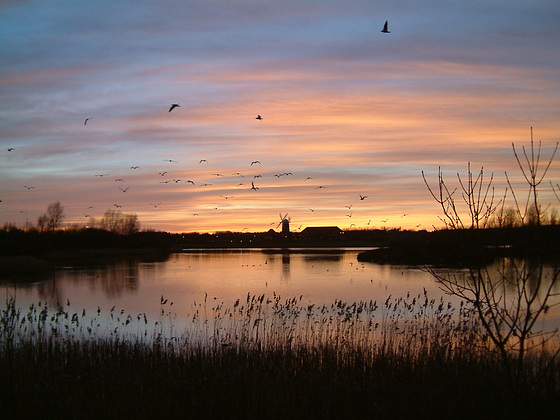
(318, 276)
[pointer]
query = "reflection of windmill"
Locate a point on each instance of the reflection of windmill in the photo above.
(285, 222)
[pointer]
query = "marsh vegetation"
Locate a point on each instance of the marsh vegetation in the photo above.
(264, 356)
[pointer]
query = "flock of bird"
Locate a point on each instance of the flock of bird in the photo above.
(238, 185)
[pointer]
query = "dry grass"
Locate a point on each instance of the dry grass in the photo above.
(263, 357)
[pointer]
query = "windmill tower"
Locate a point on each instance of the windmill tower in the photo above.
(285, 222)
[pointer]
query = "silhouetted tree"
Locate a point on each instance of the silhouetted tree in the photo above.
(510, 297)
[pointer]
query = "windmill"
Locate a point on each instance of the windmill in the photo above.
(285, 222)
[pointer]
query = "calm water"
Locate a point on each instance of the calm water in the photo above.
(223, 276)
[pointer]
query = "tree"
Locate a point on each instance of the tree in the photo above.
(117, 222)
(55, 214)
(52, 219)
(512, 295)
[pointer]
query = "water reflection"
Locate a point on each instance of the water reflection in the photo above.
(225, 276)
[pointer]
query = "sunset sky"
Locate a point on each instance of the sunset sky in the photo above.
(347, 110)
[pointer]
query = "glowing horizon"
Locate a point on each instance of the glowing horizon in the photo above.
(344, 107)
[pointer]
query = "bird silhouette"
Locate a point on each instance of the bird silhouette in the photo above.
(203, 160)
(173, 106)
(385, 29)
(162, 173)
(117, 206)
(10, 149)
(189, 181)
(363, 197)
(101, 175)
(155, 205)
(255, 162)
(135, 167)
(124, 189)
(29, 188)
(86, 120)
(253, 186)
(259, 118)
(170, 160)
(119, 180)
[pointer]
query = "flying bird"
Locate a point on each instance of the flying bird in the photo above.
(135, 167)
(29, 188)
(86, 120)
(119, 180)
(170, 160)
(117, 206)
(259, 118)
(203, 160)
(101, 175)
(155, 205)
(385, 29)
(173, 106)
(124, 189)
(10, 149)
(363, 197)
(162, 173)
(253, 186)
(188, 181)
(254, 162)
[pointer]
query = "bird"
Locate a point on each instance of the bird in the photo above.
(350, 206)
(10, 149)
(29, 188)
(259, 118)
(227, 197)
(320, 186)
(255, 162)
(124, 189)
(349, 215)
(155, 205)
(86, 120)
(257, 176)
(363, 197)
(203, 160)
(135, 167)
(385, 29)
(173, 106)
(117, 206)
(189, 181)
(312, 210)
(170, 160)
(162, 173)
(101, 175)
(119, 180)
(253, 186)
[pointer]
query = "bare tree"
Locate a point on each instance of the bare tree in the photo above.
(477, 195)
(510, 296)
(52, 219)
(115, 221)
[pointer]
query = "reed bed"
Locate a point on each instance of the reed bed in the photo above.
(264, 357)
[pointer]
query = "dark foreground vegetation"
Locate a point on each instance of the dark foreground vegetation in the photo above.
(267, 358)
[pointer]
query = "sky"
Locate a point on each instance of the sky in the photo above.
(347, 111)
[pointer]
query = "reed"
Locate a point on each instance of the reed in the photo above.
(263, 357)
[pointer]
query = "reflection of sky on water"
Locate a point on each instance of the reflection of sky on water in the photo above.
(223, 277)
